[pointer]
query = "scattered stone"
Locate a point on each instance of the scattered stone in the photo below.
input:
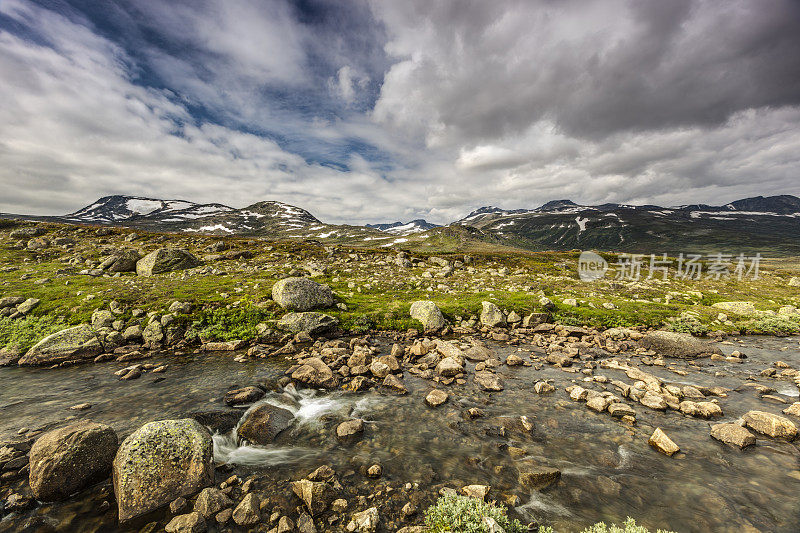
(248, 512)
(350, 429)
(394, 383)
(679, 345)
(317, 495)
(187, 523)
(365, 521)
(662, 443)
(491, 315)
(476, 491)
(210, 501)
(315, 372)
(774, 426)
(733, 434)
(243, 396)
(488, 381)
(436, 397)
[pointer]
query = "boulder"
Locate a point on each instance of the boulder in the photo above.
(166, 260)
(436, 397)
(210, 501)
(478, 352)
(737, 308)
(187, 523)
(350, 429)
(102, 318)
(308, 322)
(774, 426)
(449, 367)
(428, 314)
(243, 395)
(262, 423)
(66, 460)
(302, 294)
(76, 343)
(679, 345)
(491, 315)
(315, 372)
(159, 462)
(248, 512)
(28, 305)
(733, 434)
(124, 260)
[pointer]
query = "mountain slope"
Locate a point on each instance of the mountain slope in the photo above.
(400, 228)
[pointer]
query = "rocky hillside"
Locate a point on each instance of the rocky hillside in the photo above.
(399, 228)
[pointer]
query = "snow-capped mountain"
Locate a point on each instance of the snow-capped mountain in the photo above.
(118, 208)
(405, 228)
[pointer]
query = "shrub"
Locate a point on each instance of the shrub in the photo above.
(230, 324)
(461, 514)
(773, 325)
(25, 332)
(688, 325)
(629, 526)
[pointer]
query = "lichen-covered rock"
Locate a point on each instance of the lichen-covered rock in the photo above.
(262, 423)
(302, 294)
(775, 426)
(679, 345)
(68, 459)
(248, 512)
(308, 322)
(187, 523)
(491, 315)
(122, 261)
(79, 342)
(428, 314)
(738, 308)
(166, 260)
(159, 462)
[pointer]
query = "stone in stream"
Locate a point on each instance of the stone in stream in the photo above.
(302, 294)
(187, 523)
(350, 429)
(733, 434)
(436, 397)
(543, 387)
(488, 381)
(793, 410)
(220, 421)
(680, 345)
(210, 501)
(262, 423)
(248, 512)
(159, 462)
(774, 426)
(317, 495)
(365, 521)
(66, 460)
(491, 315)
(309, 322)
(538, 477)
(379, 369)
(243, 395)
(165, 260)
(478, 352)
(598, 403)
(662, 443)
(76, 343)
(449, 367)
(315, 372)
(476, 491)
(396, 384)
(514, 360)
(428, 314)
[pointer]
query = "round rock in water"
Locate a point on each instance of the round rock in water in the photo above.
(160, 462)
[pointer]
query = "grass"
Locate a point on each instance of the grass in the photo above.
(25, 332)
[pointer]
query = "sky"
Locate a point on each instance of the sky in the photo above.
(377, 111)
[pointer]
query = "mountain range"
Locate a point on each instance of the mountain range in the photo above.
(770, 225)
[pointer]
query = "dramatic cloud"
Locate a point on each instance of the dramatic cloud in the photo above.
(368, 112)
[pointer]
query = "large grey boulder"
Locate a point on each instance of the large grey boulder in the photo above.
(262, 423)
(76, 343)
(166, 260)
(66, 460)
(309, 322)
(428, 314)
(491, 315)
(122, 261)
(159, 462)
(302, 294)
(679, 345)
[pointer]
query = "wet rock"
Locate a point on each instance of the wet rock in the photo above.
(248, 512)
(165, 260)
(514, 360)
(679, 345)
(210, 501)
(159, 462)
(774, 426)
(538, 477)
(375, 471)
(793, 409)
(491, 315)
(449, 367)
(733, 434)
(66, 460)
(662, 443)
(187, 523)
(379, 369)
(262, 423)
(488, 381)
(220, 421)
(476, 491)
(436, 397)
(317, 495)
(76, 343)
(598, 403)
(479, 353)
(543, 387)
(428, 314)
(302, 294)
(653, 401)
(311, 323)
(315, 372)
(365, 521)
(243, 395)
(350, 429)
(396, 384)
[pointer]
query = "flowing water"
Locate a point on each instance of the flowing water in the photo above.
(608, 469)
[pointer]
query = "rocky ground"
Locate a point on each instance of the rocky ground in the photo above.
(424, 327)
